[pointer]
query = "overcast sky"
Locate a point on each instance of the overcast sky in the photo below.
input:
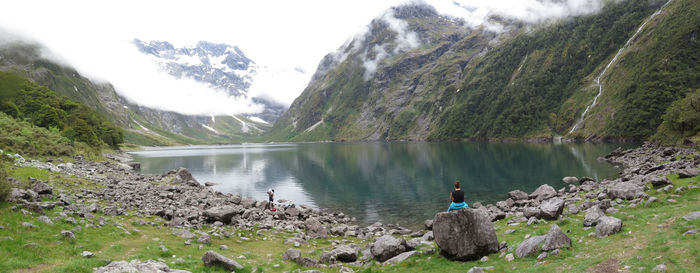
(94, 37)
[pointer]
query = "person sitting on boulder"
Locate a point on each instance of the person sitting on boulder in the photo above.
(457, 198)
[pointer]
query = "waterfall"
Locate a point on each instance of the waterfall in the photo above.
(597, 80)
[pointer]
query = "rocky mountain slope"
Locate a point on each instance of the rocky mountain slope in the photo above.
(419, 75)
(143, 125)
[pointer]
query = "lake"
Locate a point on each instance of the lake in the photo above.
(402, 183)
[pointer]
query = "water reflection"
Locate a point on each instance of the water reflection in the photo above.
(392, 182)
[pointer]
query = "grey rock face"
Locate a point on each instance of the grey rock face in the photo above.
(592, 215)
(550, 209)
(608, 225)
(466, 234)
(403, 256)
(314, 229)
(543, 192)
(556, 239)
(386, 247)
(625, 190)
(530, 246)
(149, 266)
(212, 258)
(518, 195)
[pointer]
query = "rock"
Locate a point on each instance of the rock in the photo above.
(543, 192)
(510, 257)
(660, 181)
(403, 256)
(607, 225)
(570, 179)
(692, 216)
(183, 233)
(691, 232)
(551, 208)
(592, 215)
(186, 176)
(530, 212)
(204, 239)
(651, 199)
(29, 225)
(688, 172)
(573, 209)
(149, 266)
(314, 229)
(291, 254)
(87, 254)
(222, 213)
(45, 219)
(292, 212)
(532, 221)
(341, 253)
(518, 195)
(136, 166)
(465, 234)
(428, 224)
(295, 240)
(212, 258)
(659, 268)
(428, 236)
(42, 188)
(625, 190)
(386, 247)
(68, 234)
(530, 246)
(209, 184)
(555, 239)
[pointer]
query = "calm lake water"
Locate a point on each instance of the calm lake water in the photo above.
(403, 183)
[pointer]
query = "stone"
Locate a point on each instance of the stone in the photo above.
(428, 236)
(625, 190)
(530, 212)
(291, 254)
(608, 225)
(660, 181)
(186, 176)
(530, 246)
(183, 233)
(45, 219)
(314, 229)
(484, 259)
(518, 195)
(551, 208)
(570, 179)
(204, 239)
(533, 220)
(42, 188)
(341, 253)
(510, 257)
(688, 172)
(555, 239)
(651, 199)
(295, 240)
(691, 232)
(149, 266)
(87, 254)
(428, 224)
(659, 268)
(592, 215)
(222, 213)
(692, 216)
(543, 192)
(292, 212)
(29, 225)
(68, 234)
(386, 247)
(403, 256)
(573, 209)
(212, 258)
(465, 234)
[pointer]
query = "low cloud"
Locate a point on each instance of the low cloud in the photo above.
(404, 40)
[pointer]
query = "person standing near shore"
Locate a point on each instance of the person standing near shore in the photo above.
(457, 198)
(271, 197)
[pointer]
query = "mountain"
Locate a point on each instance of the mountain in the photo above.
(419, 75)
(142, 125)
(220, 66)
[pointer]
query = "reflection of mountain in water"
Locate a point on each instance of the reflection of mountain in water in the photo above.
(394, 182)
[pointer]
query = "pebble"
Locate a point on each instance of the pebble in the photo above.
(87, 254)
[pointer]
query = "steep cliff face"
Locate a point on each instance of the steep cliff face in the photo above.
(417, 75)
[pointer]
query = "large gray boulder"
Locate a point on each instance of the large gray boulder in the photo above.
(625, 190)
(314, 229)
(42, 188)
(530, 246)
(551, 208)
(555, 239)
(343, 253)
(688, 172)
(212, 258)
(386, 247)
(543, 192)
(517, 195)
(531, 212)
(149, 266)
(592, 215)
(186, 177)
(465, 234)
(608, 225)
(660, 181)
(222, 213)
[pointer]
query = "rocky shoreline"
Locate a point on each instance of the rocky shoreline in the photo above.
(186, 204)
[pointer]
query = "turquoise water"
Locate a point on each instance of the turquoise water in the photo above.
(403, 183)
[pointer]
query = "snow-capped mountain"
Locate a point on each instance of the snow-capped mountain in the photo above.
(221, 66)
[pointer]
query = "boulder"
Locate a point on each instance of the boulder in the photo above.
(692, 216)
(294, 240)
(530, 246)
(555, 239)
(42, 188)
(341, 253)
(212, 258)
(386, 247)
(570, 179)
(550, 209)
(688, 172)
(292, 254)
(222, 213)
(608, 225)
(465, 234)
(517, 195)
(149, 266)
(625, 190)
(186, 176)
(183, 233)
(204, 239)
(543, 192)
(314, 229)
(660, 181)
(68, 234)
(292, 212)
(403, 256)
(592, 215)
(531, 212)
(248, 202)
(428, 224)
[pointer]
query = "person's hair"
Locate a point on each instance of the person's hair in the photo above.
(456, 184)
